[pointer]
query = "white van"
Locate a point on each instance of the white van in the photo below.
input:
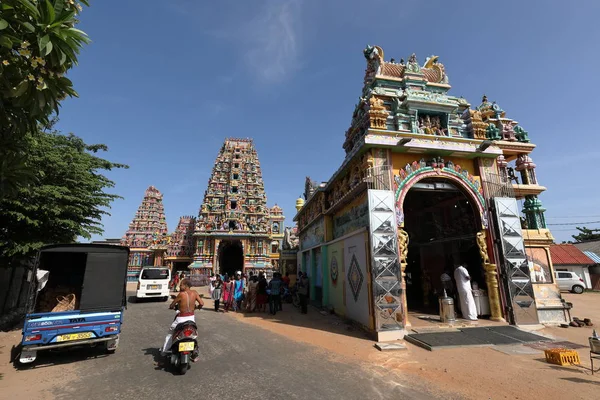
(154, 283)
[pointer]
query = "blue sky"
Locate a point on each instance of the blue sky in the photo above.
(165, 82)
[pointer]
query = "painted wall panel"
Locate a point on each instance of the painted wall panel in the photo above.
(335, 274)
(357, 291)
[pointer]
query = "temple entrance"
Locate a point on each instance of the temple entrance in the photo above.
(179, 266)
(231, 257)
(442, 223)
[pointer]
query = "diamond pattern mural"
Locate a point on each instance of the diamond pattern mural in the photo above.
(355, 277)
(515, 261)
(386, 267)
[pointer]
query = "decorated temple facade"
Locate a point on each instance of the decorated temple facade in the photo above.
(428, 182)
(235, 230)
(147, 235)
(180, 246)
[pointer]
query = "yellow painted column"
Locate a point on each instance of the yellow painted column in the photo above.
(403, 255)
(491, 278)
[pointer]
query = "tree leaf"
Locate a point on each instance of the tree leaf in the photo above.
(51, 13)
(43, 42)
(48, 49)
(33, 11)
(28, 26)
(6, 42)
(58, 6)
(3, 24)
(21, 89)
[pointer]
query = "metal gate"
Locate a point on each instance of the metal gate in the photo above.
(517, 277)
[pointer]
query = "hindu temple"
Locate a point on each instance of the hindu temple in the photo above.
(147, 235)
(429, 181)
(234, 229)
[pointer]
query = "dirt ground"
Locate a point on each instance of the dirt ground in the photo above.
(474, 373)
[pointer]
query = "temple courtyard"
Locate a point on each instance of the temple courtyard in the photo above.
(318, 355)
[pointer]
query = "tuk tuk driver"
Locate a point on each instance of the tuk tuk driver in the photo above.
(186, 299)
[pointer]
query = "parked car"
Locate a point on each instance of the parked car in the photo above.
(154, 283)
(567, 280)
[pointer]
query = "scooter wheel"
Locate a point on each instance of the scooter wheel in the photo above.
(183, 368)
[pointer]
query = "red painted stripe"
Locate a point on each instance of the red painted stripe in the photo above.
(53, 328)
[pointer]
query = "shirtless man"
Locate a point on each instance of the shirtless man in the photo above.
(186, 299)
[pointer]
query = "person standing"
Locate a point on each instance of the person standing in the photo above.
(251, 293)
(286, 279)
(227, 294)
(447, 282)
(216, 292)
(465, 294)
(303, 292)
(275, 286)
(238, 294)
(261, 294)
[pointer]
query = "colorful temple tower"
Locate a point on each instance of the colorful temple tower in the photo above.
(147, 234)
(276, 233)
(428, 182)
(180, 249)
(235, 229)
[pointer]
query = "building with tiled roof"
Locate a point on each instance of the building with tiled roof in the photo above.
(567, 257)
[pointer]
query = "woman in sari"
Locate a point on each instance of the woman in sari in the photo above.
(238, 294)
(227, 294)
(252, 291)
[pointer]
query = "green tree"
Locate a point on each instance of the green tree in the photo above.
(66, 201)
(38, 45)
(586, 234)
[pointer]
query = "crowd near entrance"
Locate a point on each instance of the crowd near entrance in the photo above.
(230, 257)
(442, 224)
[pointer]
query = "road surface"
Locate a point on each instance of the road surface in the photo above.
(238, 361)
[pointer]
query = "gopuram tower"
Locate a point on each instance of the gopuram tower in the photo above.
(147, 234)
(234, 229)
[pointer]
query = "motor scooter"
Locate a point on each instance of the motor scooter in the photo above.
(184, 345)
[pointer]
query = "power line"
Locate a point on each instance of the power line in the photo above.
(578, 223)
(580, 216)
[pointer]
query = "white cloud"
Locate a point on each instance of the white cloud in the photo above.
(270, 40)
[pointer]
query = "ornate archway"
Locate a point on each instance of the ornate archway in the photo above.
(471, 187)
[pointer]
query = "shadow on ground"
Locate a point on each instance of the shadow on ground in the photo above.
(50, 358)
(315, 319)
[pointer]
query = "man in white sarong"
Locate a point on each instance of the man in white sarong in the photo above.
(465, 294)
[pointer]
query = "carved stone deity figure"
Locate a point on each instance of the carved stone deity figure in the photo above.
(481, 242)
(403, 240)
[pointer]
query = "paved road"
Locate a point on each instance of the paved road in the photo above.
(238, 361)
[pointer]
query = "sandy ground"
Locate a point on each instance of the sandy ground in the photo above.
(475, 373)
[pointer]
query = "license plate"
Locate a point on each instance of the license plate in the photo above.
(74, 336)
(153, 287)
(186, 346)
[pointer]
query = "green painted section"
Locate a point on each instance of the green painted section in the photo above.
(313, 274)
(324, 270)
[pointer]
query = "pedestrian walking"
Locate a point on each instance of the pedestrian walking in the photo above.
(303, 285)
(216, 292)
(275, 287)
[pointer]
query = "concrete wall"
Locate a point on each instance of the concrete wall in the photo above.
(356, 273)
(335, 276)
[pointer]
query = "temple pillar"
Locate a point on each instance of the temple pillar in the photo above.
(491, 278)
(403, 253)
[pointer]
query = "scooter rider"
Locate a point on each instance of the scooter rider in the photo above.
(186, 300)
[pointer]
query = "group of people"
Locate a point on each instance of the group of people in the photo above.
(252, 293)
(177, 278)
